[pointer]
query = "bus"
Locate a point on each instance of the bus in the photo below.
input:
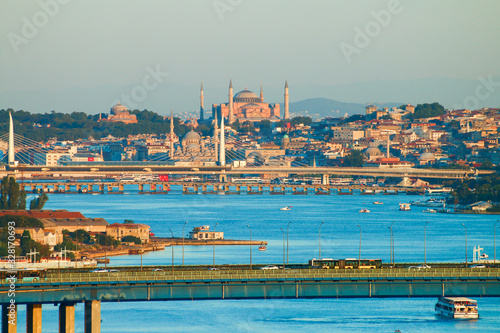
(25, 275)
(349, 263)
(246, 180)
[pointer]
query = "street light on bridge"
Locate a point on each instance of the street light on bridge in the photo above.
(250, 246)
(425, 245)
(465, 244)
(172, 246)
(359, 260)
(283, 231)
(495, 243)
(183, 242)
(320, 239)
(287, 241)
(214, 242)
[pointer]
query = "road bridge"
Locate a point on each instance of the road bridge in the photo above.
(69, 289)
(96, 170)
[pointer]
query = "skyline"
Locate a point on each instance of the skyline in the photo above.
(85, 57)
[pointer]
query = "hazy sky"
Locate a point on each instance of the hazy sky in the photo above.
(84, 55)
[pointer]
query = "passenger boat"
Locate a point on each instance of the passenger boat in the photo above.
(378, 203)
(364, 210)
(404, 206)
(286, 208)
(457, 307)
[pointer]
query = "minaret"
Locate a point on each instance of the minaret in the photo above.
(230, 116)
(287, 109)
(201, 102)
(11, 141)
(222, 158)
(261, 94)
(216, 137)
(388, 143)
(171, 134)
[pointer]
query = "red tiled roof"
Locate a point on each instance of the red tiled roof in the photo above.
(44, 214)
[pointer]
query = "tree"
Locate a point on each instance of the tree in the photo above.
(130, 239)
(128, 221)
(354, 159)
(39, 202)
(12, 198)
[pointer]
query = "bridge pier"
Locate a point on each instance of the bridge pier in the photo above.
(9, 318)
(325, 179)
(152, 188)
(141, 188)
(34, 318)
(92, 316)
(67, 318)
(120, 188)
(223, 178)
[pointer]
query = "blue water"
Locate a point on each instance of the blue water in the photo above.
(340, 235)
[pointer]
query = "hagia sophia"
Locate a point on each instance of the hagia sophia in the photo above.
(247, 106)
(244, 106)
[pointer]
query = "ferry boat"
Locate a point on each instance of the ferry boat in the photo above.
(457, 307)
(378, 203)
(286, 208)
(364, 210)
(438, 191)
(404, 206)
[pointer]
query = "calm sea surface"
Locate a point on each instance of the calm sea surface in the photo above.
(445, 241)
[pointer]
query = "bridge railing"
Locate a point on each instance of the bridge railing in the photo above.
(291, 274)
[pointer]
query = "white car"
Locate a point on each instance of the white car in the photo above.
(269, 267)
(478, 266)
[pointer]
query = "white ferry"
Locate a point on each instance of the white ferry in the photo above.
(404, 206)
(457, 307)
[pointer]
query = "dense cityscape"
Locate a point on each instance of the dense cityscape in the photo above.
(229, 166)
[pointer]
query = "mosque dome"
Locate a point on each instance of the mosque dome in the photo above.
(427, 156)
(192, 136)
(374, 151)
(118, 108)
(246, 96)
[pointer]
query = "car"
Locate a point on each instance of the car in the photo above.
(478, 266)
(423, 266)
(158, 270)
(269, 267)
(213, 269)
(100, 270)
(113, 270)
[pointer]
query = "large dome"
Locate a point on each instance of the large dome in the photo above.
(246, 96)
(427, 156)
(118, 108)
(192, 136)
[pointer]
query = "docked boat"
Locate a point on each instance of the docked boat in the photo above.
(438, 191)
(429, 203)
(430, 210)
(286, 208)
(378, 203)
(457, 307)
(404, 206)
(364, 210)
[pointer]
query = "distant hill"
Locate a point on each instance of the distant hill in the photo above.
(325, 107)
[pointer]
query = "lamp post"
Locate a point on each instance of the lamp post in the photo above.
(391, 245)
(287, 241)
(465, 244)
(283, 231)
(214, 241)
(183, 242)
(320, 239)
(495, 243)
(172, 246)
(359, 260)
(250, 246)
(425, 243)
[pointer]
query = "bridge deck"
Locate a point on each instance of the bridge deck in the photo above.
(177, 285)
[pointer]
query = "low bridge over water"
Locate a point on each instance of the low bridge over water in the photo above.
(90, 289)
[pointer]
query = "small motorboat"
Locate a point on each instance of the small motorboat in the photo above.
(484, 256)
(404, 206)
(286, 208)
(262, 247)
(364, 210)
(378, 203)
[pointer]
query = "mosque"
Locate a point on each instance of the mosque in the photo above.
(247, 106)
(119, 113)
